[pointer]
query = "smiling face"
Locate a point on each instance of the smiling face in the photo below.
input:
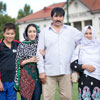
(88, 34)
(9, 35)
(31, 33)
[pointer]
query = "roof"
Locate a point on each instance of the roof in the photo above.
(44, 13)
(93, 5)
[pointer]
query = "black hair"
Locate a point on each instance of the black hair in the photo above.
(26, 30)
(9, 26)
(59, 11)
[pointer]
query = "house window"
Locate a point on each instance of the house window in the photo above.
(88, 22)
(78, 25)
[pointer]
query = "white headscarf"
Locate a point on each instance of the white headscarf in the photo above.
(89, 47)
(90, 53)
(86, 46)
(86, 41)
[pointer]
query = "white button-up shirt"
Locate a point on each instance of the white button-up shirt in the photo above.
(58, 49)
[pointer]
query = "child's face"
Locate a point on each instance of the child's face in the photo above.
(9, 35)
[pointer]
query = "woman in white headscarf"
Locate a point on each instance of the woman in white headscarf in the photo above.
(86, 61)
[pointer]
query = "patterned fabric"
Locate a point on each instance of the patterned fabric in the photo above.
(89, 88)
(27, 75)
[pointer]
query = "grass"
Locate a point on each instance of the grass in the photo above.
(75, 93)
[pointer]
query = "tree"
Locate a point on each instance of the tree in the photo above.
(2, 7)
(4, 18)
(24, 12)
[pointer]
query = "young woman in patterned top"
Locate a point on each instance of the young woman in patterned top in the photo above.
(27, 77)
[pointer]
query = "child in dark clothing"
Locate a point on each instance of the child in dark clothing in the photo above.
(8, 48)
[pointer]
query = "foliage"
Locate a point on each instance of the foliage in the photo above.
(17, 33)
(1, 36)
(2, 7)
(4, 18)
(25, 11)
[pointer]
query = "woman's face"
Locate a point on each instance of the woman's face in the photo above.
(88, 34)
(31, 33)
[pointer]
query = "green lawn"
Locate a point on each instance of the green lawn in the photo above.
(75, 93)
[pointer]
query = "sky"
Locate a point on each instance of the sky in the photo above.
(13, 6)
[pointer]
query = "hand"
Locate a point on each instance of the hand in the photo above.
(33, 59)
(89, 68)
(1, 86)
(74, 77)
(42, 52)
(42, 77)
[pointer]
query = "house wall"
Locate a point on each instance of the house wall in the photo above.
(41, 24)
(78, 13)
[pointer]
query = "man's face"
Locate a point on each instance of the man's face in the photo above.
(9, 35)
(57, 20)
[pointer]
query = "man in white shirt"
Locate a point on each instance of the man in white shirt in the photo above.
(58, 41)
